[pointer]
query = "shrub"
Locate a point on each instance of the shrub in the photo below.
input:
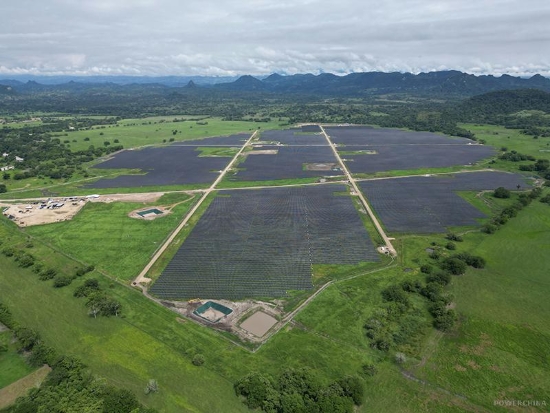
(8, 251)
(501, 192)
(60, 281)
(451, 246)
(198, 360)
(369, 370)
(453, 265)
(47, 274)
(24, 260)
(453, 237)
(354, 388)
(489, 228)
(426, 269)
(445, 321)
(395, 293)
(439, 277)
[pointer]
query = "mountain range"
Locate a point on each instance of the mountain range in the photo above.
(444, 83)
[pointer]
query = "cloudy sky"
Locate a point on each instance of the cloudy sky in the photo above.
(232, 37)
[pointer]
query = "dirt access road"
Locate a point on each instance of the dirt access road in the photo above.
(366, 205)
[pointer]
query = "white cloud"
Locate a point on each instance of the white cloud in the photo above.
(228, 37)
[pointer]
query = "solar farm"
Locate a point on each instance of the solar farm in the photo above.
(263, 243)
(260, 242)
(390, 149)
(431, 204)
(177, 164)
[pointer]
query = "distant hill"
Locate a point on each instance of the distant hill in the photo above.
(504, 102)
(441, 83)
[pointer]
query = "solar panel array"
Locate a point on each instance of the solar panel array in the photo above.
(404, 157)
(293, 137)
(288, 163)
(402, 150)
(262, 243)
(176, 164)
(364, 135)
(430, 204)
(311, 128)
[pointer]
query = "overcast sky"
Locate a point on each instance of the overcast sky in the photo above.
(232, 37)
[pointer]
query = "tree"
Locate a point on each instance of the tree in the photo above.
(353, 387)
(501, 192)
(27, 338)
(255, 388)
(454, 265)
(395, 293)
(3, 188)
(119, 400)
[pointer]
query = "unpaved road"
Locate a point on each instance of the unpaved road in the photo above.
(366, 205)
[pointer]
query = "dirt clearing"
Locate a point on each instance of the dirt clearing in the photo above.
(43, 212)
(259, 323)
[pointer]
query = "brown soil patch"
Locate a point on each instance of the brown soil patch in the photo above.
(458, 367)
(263, 152)
(47, 212)
(143, 197)
(10, 393)
(473, 365)
(258, 323)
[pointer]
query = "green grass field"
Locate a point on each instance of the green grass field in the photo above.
(12, 365)
(132, 133)
(512, 140)
(103, 234)
(501, 347)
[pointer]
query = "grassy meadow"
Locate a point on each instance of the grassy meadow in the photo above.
(12, 364)
(102, 234)
(132, 133)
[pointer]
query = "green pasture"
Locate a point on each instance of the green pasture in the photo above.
(102, 234)
(512, 139)
(501, 346)
(132, 133)
(12, 364)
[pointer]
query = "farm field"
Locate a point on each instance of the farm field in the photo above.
(511, 139)
(430, 204)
